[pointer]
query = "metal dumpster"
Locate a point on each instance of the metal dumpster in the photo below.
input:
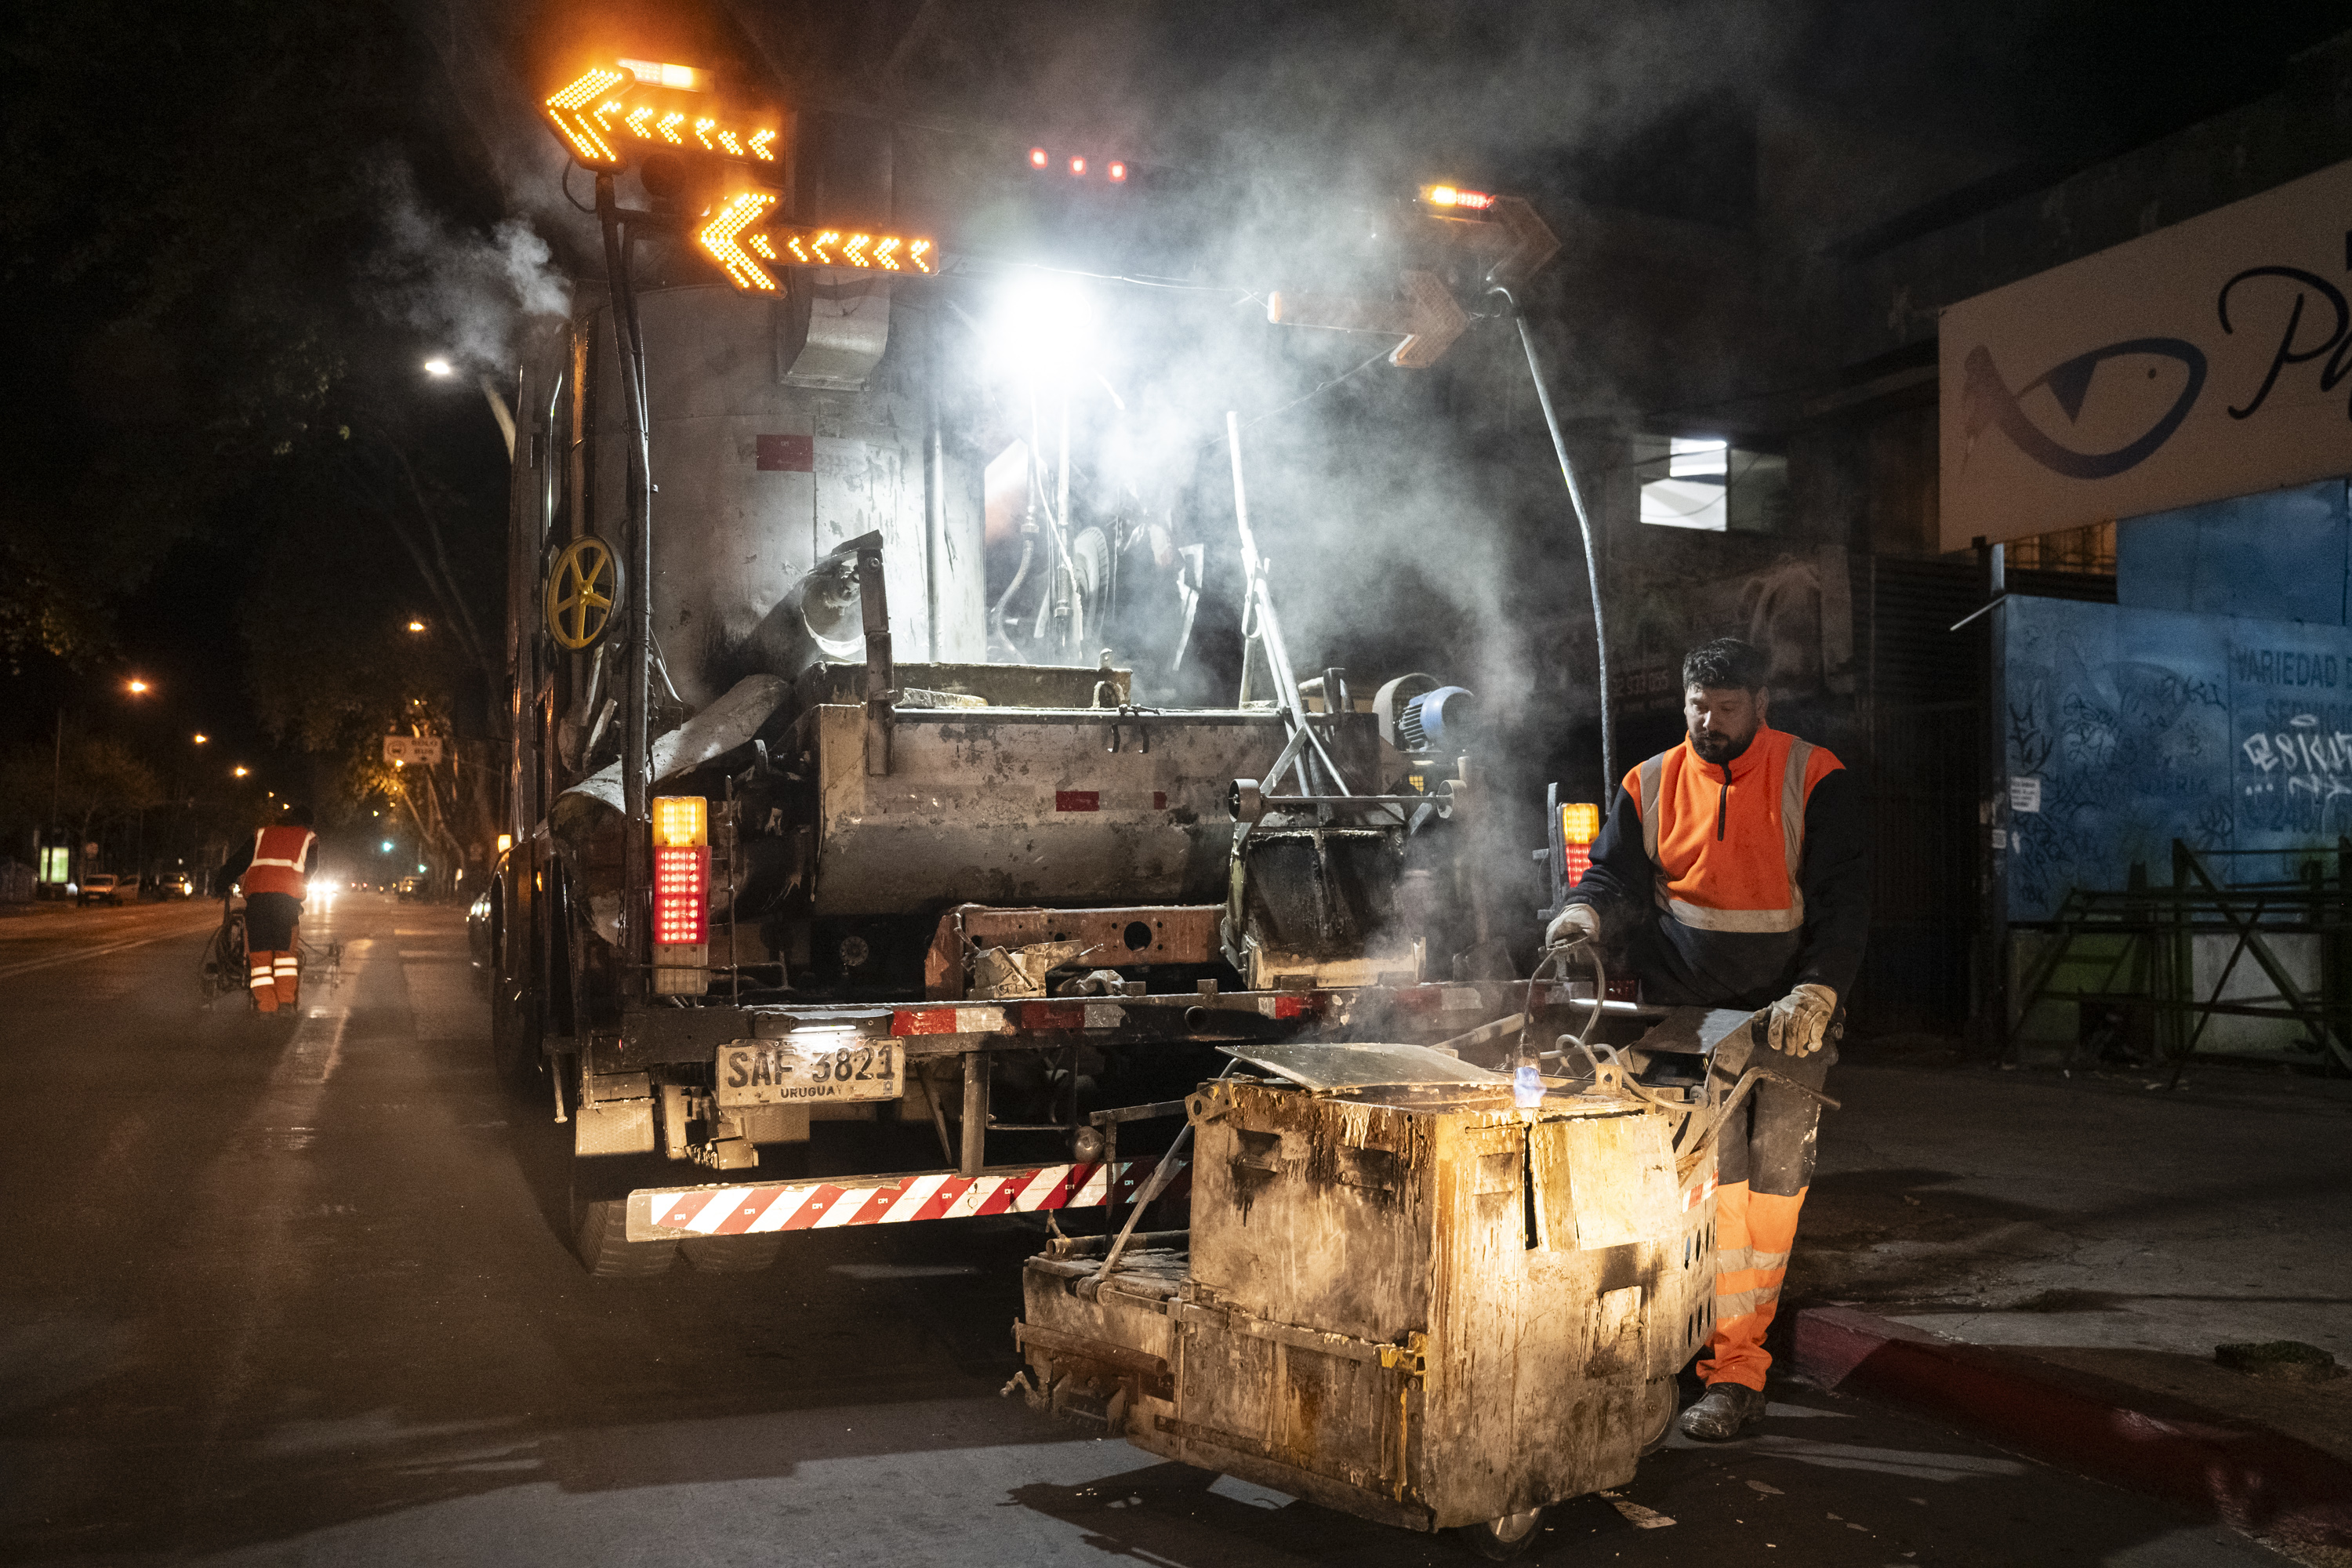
(1412, 1300)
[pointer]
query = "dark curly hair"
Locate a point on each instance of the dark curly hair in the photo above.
(1725, 662)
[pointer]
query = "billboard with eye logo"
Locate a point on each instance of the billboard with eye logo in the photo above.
(2210, 359)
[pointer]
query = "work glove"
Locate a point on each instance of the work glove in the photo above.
(1578, 922)
(1798, 1022)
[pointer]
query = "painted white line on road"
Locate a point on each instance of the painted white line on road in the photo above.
(11, 971)
(317, 1047)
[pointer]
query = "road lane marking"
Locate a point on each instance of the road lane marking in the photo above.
(11, 971)
(318, 1042)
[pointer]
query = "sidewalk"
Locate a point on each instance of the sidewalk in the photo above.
(2093, 1239)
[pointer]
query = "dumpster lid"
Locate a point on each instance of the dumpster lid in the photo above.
(1332, 1067)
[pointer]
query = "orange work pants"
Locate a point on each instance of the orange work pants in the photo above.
(275, 979)
(1764, 1163)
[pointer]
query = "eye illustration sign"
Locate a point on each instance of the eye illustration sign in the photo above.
(2206, 360)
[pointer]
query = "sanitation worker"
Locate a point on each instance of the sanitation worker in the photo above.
(274, 869)
(1733, 871)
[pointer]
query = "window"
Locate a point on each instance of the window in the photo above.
(2090, 549)
(1708, 484)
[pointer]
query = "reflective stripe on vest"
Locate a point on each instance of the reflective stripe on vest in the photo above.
(273, 871)
(1651, 779)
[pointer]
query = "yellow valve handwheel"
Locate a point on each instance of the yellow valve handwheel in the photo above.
(581, 590)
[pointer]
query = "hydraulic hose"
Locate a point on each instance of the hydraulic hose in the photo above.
(628, 342)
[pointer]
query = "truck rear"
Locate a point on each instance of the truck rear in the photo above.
(834, 795)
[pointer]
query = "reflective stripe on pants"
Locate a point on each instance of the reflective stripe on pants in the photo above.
(267, 988)
(1753, 1234)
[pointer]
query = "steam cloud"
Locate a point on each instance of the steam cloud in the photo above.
(467, 294)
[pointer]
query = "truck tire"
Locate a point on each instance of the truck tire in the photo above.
(515, 1052)
(599, 1231)
(731, 1254)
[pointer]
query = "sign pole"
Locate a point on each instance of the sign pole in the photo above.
(1993, 977)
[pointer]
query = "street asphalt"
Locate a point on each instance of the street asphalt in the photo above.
(298, 1290)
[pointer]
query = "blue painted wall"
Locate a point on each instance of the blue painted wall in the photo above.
(2145, 725)
(2283, 555)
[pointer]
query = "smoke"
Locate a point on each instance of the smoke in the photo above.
(1416, 520)
(467, 295)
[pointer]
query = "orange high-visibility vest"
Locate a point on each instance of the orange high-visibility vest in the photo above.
(278, 855)
(1727, 846)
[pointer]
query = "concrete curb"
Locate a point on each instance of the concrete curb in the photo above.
(2256, 1479)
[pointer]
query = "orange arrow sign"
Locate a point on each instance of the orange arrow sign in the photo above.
(1532, 242)
(569, 109)
(1427, 317)
(720, 239)
(1509, 232)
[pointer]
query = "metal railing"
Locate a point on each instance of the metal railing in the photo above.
(2144, 936)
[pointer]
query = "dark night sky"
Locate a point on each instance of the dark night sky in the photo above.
(252, 220)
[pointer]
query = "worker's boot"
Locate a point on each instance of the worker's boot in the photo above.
(288, 974)
(264, 982)
(1725, 1411)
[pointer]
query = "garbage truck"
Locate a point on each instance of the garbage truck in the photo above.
(853, 876)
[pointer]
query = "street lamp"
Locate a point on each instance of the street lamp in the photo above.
(415, 625)
(137, 687)
(438, 367)
(239, 771)
(202, 739)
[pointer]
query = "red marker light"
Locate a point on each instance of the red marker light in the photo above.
(1036, 157)
(1078, 167)
(1118, 173)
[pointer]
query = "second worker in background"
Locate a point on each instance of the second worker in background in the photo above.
(275, 872)
(1734, 871)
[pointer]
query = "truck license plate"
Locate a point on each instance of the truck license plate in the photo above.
(783, 1072)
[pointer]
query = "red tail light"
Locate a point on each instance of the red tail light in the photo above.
(682, 895)
(1579, 823)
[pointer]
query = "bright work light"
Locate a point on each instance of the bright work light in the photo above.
(1044, 326)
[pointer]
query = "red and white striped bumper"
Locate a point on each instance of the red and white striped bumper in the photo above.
(678, 1213)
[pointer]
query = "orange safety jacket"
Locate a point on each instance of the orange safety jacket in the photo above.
(1716, 869)
(279, 853)
(1728, 864)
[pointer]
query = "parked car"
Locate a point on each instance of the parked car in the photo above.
(410, 888)
(106, 887)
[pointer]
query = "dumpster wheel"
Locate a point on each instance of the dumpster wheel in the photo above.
(1666, 1400)
(1500, 1539)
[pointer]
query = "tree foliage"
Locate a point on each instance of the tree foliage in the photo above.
(94, 780)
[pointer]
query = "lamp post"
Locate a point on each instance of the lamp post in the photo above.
(139, 687)
(440, 369)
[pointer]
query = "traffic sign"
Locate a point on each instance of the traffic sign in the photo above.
(1531, 242)
(608, 112)
(1427, 317)
(411, 749)
(751, 257)
(1507, 233)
